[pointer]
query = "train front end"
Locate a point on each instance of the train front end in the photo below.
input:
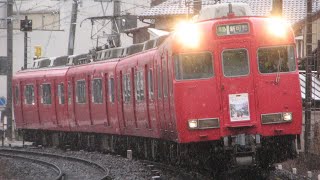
(237, 88)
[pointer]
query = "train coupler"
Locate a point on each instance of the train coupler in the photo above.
(242, 148)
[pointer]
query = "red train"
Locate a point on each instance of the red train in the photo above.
(219, 89)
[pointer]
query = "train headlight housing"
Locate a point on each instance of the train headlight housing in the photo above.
(278, 27)
(187, 34)
(206, 123)
(287, 116)
(274, 118)
(193, 123)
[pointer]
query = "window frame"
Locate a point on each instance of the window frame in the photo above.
(43, 100)
(61, 94)
(248, 61)
(111, 89)
(213, 67)
(85, 92)
(150, 83)
(25, 96)
(93, 99)
(294, 55)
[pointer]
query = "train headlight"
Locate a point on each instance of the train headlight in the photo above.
(287, 116)
(278, 27)
(193, 123)
(187, 34)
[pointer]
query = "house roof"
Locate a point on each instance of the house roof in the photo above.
(293, 10)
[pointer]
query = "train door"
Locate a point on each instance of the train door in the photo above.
(110, 101)
(140, 99)
(98, 105)
(160, 108)
(82, 112)
(120, 98)
(71, 102)
(166, 98)
(17, 99)
(46, 105)
(61, 104)
(237, 86)
(29, 107)
(151, 110)
(128, 99)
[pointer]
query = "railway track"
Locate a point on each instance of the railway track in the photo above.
(67, 166)
(60, 174)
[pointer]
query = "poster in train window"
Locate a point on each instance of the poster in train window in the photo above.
(239, 107)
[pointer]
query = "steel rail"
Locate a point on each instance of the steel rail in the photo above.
(54, 167)
(100, 167)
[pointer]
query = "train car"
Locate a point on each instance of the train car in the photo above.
(224, 89)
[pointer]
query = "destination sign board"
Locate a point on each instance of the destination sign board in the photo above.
(232, 29)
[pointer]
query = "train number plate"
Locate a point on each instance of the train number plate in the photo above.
(239, 107)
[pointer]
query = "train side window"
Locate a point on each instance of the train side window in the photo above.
(235, 62)
(29, 94)
(276, 59)
(159, 82)
(139, 82)
(81, 91)
(127, 88)
(141, 85)
(97, 91)
(111, 90)
(46, 94)
(136, 83)
(61, 93)
(69, 92)
(150, 83)
(16, 95)
(164, 77)
(193, 66)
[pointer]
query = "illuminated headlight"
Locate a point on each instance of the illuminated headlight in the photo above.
(193, 123)
(287, 116)
(278, 27)
(207, 123)
(187, 34)
(276, 118)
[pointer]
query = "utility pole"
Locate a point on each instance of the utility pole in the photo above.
(116, 23)
(25, 62)
(277, 8)
(307, 132)
(73, 25)
(8, 112)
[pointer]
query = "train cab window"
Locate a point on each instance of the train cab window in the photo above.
(111, 89)
(61, 93)
(150, 83)
(193, 66)
(81, 91)
(69, 92)
(126, 87)
(29, 94)
(16, 95)
(97, 91)
(139, 82)
(276, 59)
(235, 62)
(46, 94)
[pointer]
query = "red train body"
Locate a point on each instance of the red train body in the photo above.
(241, 79)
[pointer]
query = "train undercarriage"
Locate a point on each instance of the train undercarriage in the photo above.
(214, 157)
